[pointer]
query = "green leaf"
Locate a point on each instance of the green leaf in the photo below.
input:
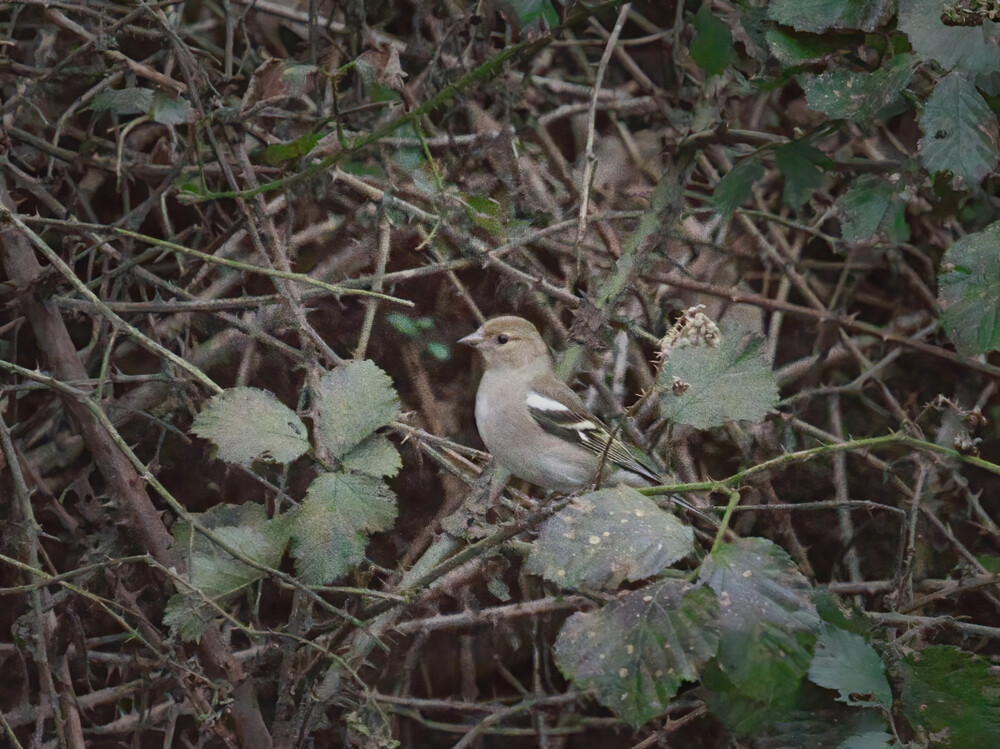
(483, 204)
(636, 652)
(841, 613)
(245, 528)
(739, 713)
(846, 662)
(189, 190)
(160, 107)
(438, 350)
(896, 226)
(960, 131)
(731, 382)
(734, 189)
(248, 424)
(805, 717)
(866, 208)
(792, 50)
(212, 570)
(768, 619)
(363, 168)
(375, 456)
(606, 537)
(860, 96)
(411, 327)
(990, 562)
(353, 401)
(535, 11)
(972, 50)
(969, 291)
(187, 616)
(486, 213)
(820, 15)
(123, 101)
(330, 531)
(948, 690)
(278, 153)
(802, 166)
(380, 93)
(169, 110)
(712, 46)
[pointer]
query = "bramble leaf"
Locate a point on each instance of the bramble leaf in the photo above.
(249, 424)
(636, 652)
(606, 537)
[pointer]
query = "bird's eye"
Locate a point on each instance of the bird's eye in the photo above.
(502, 338)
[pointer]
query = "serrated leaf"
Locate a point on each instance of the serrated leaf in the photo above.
(212, 570)
(375, 456)
(712, 46)
(947, 689)
(330, 531)
(768, 619)
(818, 16)
(245, 528)
(636, 651)
(973, 50)
(802, 166)
(846, 662)
(731, 382)
(249, 424)
(606, 537)
(353, 401)
(969, 291)
(734, 189)
(866, 207)
(960, 131)
(860, 96)
(187, 616)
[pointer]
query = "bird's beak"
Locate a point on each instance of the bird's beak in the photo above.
(473, 339)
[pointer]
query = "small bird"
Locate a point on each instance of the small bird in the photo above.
(534, 425)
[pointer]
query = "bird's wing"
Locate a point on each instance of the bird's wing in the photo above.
(560, 412)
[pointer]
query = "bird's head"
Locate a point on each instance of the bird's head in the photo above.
(509, 342)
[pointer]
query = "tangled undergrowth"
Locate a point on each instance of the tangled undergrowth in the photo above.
(243, 496)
